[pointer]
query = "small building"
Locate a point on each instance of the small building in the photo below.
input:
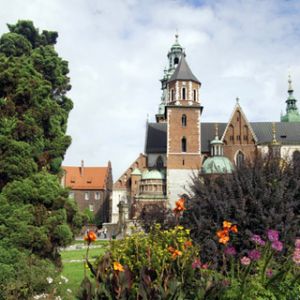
(91, 187)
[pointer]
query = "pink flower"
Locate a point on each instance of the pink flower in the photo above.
(297, 244)
(277, 245)
(269, 272)
(258, 240)
(254, 254)
(245, 261)
(204, 266)
(196, 264)
(296, 256)
(273, 235)
(230, 251)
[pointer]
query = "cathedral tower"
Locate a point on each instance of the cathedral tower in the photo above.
(292, 113)
(183, 112)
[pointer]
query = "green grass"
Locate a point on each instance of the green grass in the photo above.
(74, 271)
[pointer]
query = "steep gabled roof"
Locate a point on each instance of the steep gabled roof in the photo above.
(183, 72)
(86, 178)
(239, 108)
(156, 139)
(286, 133)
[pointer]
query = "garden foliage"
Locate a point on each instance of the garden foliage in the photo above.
(36, 216)
(258, 196)
(165, 264)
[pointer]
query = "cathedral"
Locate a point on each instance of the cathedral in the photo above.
(179, 145)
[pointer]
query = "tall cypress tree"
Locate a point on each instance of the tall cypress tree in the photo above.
(36, 216)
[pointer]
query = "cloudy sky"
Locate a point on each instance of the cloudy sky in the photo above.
(117, 52)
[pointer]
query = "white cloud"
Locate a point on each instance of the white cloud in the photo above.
(117, 52)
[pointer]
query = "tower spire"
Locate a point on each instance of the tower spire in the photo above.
(292, 114)
(274, 140)
(216, 131)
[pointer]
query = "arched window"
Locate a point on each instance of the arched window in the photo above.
(176, 61)
(231, 133)
(159, 162)
(183, 120)
(240, 159)
(195, 95)
(172, 94)
(183, 94)
(183, 144)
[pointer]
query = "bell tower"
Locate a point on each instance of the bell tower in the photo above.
(183, 113)
(174, 56)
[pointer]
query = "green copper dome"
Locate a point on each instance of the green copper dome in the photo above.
(136, 171)
(154, 174)
(217, 165)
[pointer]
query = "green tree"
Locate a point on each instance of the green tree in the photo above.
(36, 215)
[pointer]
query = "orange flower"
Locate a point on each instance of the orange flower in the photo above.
(224, 240)
(187, 244)
(234, 229)
(222, 233)
(176, 253)
(171, 249)
(179, 205)
(90, 237)
(118, 267)
(227, 224)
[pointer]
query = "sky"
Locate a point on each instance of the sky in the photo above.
(117, 50)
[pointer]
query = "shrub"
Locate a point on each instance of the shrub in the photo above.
(258, 196)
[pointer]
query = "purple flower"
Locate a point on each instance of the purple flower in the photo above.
(258, 240)
(196, 264)
(273, 235)
(277, 245)
(230, 251)
(254, 254)
(269, 272)
(297, 244)
(245, 261)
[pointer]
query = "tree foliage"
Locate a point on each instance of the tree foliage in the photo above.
(36, 216)
(261, 195)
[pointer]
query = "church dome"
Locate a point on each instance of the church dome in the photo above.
(217, 165)
(154, 174)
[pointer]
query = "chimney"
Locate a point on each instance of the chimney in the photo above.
(81, 168)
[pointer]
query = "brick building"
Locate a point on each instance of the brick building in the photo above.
(91, 187)
(179, 144)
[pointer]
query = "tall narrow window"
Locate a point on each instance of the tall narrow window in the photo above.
(183, 93)
(159, 162)
(240, 158)
(195, 95)
(183, 120)
(172, 94)
(183, 144)
(97, 195)
(86, 195)
(176, 60)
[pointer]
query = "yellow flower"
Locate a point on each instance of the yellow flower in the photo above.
(180, 227)
(118, 267)
(227, 224)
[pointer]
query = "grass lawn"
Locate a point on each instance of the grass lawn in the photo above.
(73, 267)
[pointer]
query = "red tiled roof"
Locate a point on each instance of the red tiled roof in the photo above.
(92, 178)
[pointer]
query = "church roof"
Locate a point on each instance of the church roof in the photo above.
(156, 138)
(85, 178)
(183, 72)
(286, 134)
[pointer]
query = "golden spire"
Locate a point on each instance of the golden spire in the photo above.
(216, 131)
(274, 140)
